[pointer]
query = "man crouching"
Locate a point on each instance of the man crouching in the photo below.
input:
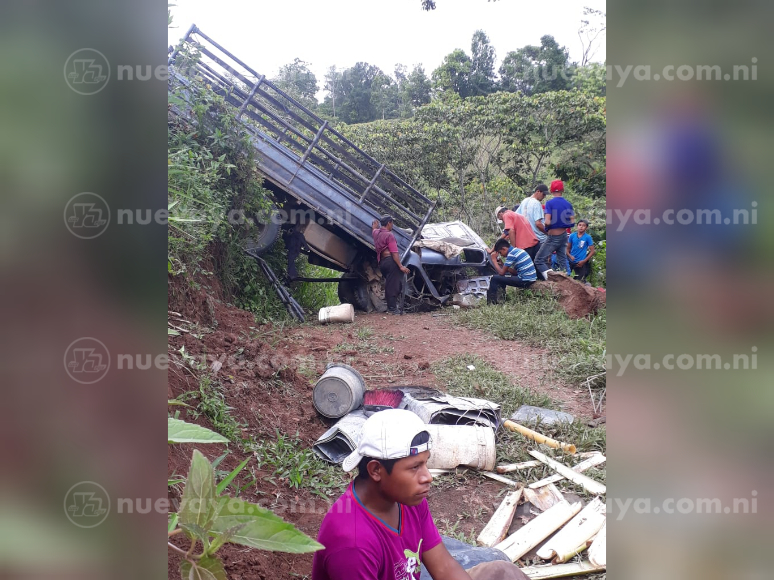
(381, 527)
(517, 269)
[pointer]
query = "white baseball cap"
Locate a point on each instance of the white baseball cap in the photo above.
(387, 435)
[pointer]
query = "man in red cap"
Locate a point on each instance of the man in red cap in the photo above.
(559, 215)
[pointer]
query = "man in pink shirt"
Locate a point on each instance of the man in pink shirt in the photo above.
(381, 528)
(519, 231)
(389, 261)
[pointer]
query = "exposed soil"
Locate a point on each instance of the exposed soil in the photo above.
(577, 299)
(268, 372)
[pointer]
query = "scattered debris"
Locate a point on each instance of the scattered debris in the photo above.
(588, 484)
(561, 570)
(339, 313)
(527, 414)
(471, 368)
(468, 445)
(499, 478)
(517, 466)
(497, 528)
(538, 437)
(545, 498)
(598, 549)
(525, 539)
(441, 409)
(572, 538)
(595, 459)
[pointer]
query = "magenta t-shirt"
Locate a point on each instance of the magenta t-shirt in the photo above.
(360, 546)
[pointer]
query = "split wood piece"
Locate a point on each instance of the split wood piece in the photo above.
(499, 478)
(497, 528)
(588, 484)
(587, 454)
(544, 498)
(598, 549)
(516, 466)
(572, 538)
(593, 461)
(561, 570)
(525, 539)
(539, 437)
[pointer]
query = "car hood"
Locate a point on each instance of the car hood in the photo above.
(456, 233)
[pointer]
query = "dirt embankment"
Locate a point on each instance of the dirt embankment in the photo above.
(267, 374)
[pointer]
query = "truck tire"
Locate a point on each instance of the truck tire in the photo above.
(263, 235)
(354, 291)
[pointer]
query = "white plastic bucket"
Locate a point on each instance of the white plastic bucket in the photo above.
(340, 313)
(338, 391)
(469, 445)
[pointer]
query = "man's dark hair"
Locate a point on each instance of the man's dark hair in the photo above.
(583, 222)
(501, 243)
(541, 187)
(388, 464)
(384, 220)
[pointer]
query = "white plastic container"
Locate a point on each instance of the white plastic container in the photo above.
(340, 313)
(468, 445)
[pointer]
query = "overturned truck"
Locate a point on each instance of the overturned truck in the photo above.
(330, 191)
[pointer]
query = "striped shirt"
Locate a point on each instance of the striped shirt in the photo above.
(520, 261)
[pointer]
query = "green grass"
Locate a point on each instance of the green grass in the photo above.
(576, 347)
(485, 382)
(212, 404)
(294, 465)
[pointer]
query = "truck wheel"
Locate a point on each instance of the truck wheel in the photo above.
(263, 235)
(355, 292)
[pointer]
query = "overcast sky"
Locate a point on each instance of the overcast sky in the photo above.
(267, 35)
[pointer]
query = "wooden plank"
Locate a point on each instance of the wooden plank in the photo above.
(598, 549)
(593, 461)
(543, 498)
(507, 468)
(499, 478)
(572, 538)
(561, 570)
(497, 528)
(539, 437)
(537, 530)
(586, 482)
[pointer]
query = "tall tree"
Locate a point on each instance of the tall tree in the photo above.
(537, 69)
(332, 86)
(482, 73)
(356, 85)
(385, 96)
(454, 74)
(414, 89)
(298, 81)
(591, 33)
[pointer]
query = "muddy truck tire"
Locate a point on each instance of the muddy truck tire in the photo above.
(353, 291)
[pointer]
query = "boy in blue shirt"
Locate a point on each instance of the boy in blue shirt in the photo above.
(517, 269)
(580, 248)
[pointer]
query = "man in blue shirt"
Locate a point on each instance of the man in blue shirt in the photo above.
(560, 215)
(517, 269)
(580, 248)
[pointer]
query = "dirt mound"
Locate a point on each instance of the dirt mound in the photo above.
(577, 299)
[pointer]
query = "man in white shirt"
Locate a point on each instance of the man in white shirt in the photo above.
(532, 208)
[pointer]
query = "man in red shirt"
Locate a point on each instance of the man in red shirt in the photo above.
(389, 261)
(519, 231)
